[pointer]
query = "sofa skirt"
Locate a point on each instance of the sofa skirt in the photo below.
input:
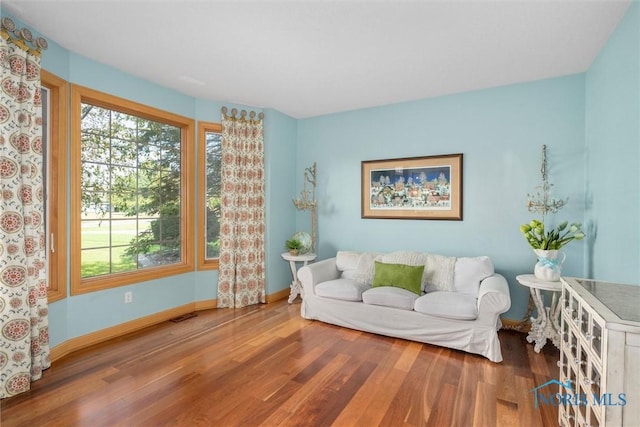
(466, 335)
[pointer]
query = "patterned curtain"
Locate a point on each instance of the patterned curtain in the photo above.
(24, 345)
(241, 279)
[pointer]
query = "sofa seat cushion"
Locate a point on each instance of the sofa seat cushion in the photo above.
(450, 305)
(344, 289)
(390, 296)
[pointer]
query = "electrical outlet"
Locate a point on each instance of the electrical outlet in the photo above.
(128, 297)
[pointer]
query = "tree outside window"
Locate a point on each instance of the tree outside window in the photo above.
(132, 192)
(210, 161)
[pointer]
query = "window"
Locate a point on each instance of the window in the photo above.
(209, 162)
(131, 192)
(54, 133)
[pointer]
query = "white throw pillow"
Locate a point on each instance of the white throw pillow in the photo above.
(344, 289)
(390, 296)
(366, 267)
(349, 274)
(408, 258)
(450, 305)
(469, 272)
(438, 273)
(404, 257)
(347, 260)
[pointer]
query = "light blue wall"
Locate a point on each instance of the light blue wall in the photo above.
(280, 133)
(82, 314)
(500, 133)
(613, 155)
(86, 72)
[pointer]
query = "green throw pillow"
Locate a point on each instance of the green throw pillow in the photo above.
(398, 275)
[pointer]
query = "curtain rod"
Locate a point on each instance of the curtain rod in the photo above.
(243, 114)
(22, 36)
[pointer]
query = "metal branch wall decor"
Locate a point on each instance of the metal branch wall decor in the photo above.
(541, 202)
(307, 201)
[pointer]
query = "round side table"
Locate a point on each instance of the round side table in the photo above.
(296, 286)
(547, 324)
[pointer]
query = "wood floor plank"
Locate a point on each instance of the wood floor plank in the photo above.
(337, 393)
(364, 406)
(433, 379)
(506, 414)
(368, 406)
(442, 412)
(265, 365)
(407, 402)
(308, 388)
(485, 408)
(524, 385)
(408, 357)
(379, 396)
(465, 402)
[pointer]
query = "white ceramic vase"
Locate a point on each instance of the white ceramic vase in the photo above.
(549, 265)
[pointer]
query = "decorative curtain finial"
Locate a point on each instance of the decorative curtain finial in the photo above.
(22, 36)
(243, 114)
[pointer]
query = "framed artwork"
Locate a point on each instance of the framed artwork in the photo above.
(413, 188)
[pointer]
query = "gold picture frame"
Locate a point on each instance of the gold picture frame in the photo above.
(428, 187)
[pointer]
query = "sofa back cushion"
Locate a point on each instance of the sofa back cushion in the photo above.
(438, 273)
(399, 276)
(438, 270)
(404, 257)
(469, 272)
(347, 263)
(366, 267)
(441, 273)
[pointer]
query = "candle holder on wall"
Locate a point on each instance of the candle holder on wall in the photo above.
(307, 201)
(541, 202)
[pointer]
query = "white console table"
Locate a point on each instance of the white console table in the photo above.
(296, 286)
(547, 325)
(600, 353)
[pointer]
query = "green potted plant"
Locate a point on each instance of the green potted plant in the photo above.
(294, 246)
(553, 239)
(547, 243)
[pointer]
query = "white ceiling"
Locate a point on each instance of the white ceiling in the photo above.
(307, 58)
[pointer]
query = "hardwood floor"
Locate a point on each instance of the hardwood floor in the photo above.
(265, 365)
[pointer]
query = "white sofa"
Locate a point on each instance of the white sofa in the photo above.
(458, 306)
